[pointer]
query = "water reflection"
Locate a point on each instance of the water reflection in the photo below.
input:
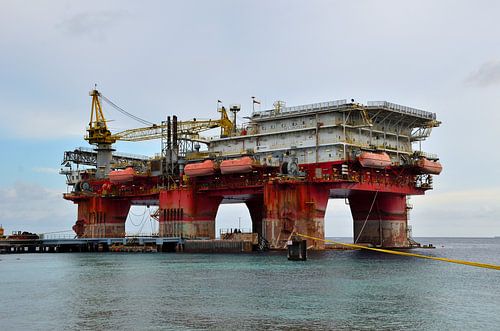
(340, 290)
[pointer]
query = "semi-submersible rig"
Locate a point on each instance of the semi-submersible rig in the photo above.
(284, 164)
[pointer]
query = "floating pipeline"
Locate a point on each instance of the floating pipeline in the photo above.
(394, 252)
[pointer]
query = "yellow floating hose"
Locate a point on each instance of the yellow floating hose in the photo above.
(473, 264)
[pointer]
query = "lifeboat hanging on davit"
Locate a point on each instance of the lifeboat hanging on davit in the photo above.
(122, 176)
(237, 166)
(205, 168)
(429, 167)
(374, 160)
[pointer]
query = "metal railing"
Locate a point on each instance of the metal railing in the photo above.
(44, 236)
(141, 234)
(302, 108)
(231, 230)
(131, 156)
(402, 109)
(118, 154)
(56, 236)
(85, 149)
(429, 156)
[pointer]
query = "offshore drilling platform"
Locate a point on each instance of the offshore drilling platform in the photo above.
(284, 163)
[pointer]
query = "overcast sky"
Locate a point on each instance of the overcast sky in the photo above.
(156, 58)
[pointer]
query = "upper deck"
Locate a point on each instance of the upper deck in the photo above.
(328, 131)
(375, 109)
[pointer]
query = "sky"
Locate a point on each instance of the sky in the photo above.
(158, 58)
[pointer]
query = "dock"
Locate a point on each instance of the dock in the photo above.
(55, 245)
(128, 244)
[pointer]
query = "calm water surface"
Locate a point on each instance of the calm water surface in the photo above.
(341, 290)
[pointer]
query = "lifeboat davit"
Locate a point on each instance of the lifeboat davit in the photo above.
(205, 168)
(122, 176)
(374, 160)
(237, 166)
(429, 167)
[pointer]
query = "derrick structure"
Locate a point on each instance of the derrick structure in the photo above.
(284, 164)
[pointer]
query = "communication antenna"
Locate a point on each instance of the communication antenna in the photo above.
(235, 109)
(253, 104)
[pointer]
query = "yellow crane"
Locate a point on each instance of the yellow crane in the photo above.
(189, 130)
(98, 132)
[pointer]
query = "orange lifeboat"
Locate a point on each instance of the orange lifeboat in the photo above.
(374, 160)
(429, 167)
(237, 166)
(205, 168)
(122, 176)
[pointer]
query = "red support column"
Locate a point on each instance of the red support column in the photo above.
(186, 213)
(256, 208)
(294, 207)
(384, 217)
(101, 217)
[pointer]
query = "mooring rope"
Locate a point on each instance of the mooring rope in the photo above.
(443, 259)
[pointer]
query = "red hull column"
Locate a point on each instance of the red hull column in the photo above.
(101, 218)
(386, 222)
(256, 207)
(186, 213)
(294, 207)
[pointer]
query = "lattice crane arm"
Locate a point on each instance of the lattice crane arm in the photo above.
(226, 126)
(97, 131)
(185, 129)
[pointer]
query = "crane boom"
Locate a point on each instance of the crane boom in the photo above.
(186, 129)
(98, 132)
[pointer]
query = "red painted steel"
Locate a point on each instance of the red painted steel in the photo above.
(101, 218)
(380, 219)
(294, 207)
(185, 212)
(278, 205)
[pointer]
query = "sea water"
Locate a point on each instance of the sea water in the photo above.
(339, 290)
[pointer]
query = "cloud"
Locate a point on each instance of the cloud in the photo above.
(45, 170)
(92, 24)
(43, 124)
(473, 212)
(31, 207)
(488, 74)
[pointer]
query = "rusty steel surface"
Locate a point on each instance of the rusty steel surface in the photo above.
(101, 218)
(278, 205)
(294, 207)
(380, 219)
